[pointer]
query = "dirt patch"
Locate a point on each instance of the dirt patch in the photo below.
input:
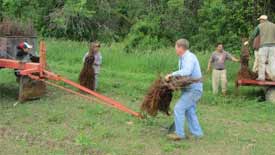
(38, 140)
(87, 74)
(159, 95)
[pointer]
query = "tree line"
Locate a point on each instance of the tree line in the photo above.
(143, 24)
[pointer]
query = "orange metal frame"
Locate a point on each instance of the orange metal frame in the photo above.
(27, 69)
(249, 82)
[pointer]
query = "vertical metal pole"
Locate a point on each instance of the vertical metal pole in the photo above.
(42, 52)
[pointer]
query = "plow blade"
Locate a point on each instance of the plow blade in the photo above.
(30, 89)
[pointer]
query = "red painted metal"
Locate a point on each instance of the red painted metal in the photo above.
(106, 100)
(42, 60)
(29, 69)
(15, 64)
(248, 82)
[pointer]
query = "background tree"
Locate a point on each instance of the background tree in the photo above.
(144, 23)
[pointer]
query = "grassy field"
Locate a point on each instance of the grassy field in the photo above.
(61, 123)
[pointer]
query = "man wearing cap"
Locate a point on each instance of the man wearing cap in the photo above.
(23, 53)
(266, 31)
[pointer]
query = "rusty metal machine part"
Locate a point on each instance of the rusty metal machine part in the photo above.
(30, 89)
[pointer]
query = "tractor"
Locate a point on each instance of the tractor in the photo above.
(33, 75)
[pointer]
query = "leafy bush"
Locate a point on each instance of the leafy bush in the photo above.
(221, 22)
(73, 21)
(143, 24)
(145, 34)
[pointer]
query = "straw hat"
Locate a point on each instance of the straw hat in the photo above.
(263, 17)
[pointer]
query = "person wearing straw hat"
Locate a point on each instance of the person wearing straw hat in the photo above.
(266, 31)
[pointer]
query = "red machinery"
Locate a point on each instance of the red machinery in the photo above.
(247, 78)
(249, 82)
(38, 72)
(269, 85)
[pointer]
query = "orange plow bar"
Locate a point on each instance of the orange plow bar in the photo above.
(106, 100)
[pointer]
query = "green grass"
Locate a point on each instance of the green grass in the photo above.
(61, 123)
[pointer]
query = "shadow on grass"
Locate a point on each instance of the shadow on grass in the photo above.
(8, 92)
(257, 93)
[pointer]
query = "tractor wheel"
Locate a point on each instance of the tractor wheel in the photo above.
(270, 94)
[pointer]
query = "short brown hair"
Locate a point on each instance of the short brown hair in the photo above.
(219, 43)
(95, 44)
(92, 46)
(183, 43)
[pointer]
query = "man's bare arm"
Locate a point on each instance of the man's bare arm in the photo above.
(235, 59)
(209, 65)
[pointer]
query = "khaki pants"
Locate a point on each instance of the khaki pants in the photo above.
(256, 62)
(266, 63)
(217, 77)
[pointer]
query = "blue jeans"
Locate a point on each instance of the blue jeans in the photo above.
(186, 106)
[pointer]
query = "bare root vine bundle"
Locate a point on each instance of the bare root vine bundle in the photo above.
(87, 74)
(245, 72)
(159, 95)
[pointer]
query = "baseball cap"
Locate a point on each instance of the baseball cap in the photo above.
(25, 45)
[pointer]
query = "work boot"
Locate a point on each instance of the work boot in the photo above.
(174, 137)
